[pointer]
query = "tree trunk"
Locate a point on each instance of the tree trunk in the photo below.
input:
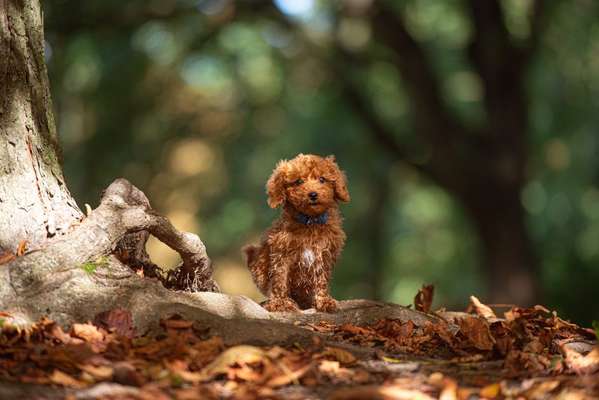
(510, 264)
(35, 204)
(375, 227)
(37, 208)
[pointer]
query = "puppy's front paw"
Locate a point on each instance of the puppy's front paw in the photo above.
(325, 304)
(281, 304)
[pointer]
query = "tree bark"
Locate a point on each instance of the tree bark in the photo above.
(512, 272)
(35, 204)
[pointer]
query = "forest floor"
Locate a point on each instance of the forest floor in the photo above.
(524, 354)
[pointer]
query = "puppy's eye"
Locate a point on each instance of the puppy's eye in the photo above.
(299, 181)
(322, 179)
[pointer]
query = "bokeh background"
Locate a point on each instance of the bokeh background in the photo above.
(468, 131)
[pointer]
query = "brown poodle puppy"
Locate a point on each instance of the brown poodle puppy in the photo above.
(292, 265)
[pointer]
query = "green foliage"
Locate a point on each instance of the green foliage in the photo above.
(90, 267)
(596, 328)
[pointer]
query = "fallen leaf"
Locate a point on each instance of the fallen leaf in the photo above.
(242, 354)
(436, 379)
(118, 320)
(424, 298)
(343, 356)
(289, 377)
(87, 332)
(60, 378)
(246, 373)
(449, 391)
(543, 390)
(57, 332)
(517, 361)
(482, 309)
(477, 331)
(490, 391)
(102, 372)
(21, 248)
(126, 374)
(534, 346)
(580, 363)
(188, 376)
(378, 393)
(573, 394)
(329, 367)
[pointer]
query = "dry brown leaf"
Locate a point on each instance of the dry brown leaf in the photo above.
(573, 394)
(477, 331)
(343, 356)
(21, 248)
(57, 332)
(329, 367)
(534, 346)
(378, 393)
(356, 330)
(242, 354)
(543, 389)
(490, 391)
(60, 378)
(517, 361)
(87, 332)
(450, 390)
(468, 393)
(289, 377)
(126, 374)
(246, 373)
(102, 372)
(189, 376)
(424, 298)
(579, 363)
(118, 320)
(482, 309)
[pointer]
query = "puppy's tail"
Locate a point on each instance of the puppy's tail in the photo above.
(258, 265)
(250, 251)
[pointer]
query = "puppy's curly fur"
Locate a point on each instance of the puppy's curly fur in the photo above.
(292, 266)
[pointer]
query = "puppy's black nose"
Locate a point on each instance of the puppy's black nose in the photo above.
(313, 195)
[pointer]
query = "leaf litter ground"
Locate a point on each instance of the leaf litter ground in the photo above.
(527, 353)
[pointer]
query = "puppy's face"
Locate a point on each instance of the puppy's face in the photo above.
(310, 183)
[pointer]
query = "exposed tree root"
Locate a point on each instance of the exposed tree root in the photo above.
(83, 274)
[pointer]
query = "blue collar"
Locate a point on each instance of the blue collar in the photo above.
(312, 220)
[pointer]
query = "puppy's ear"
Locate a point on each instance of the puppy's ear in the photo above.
(275, 187)
(340, 181)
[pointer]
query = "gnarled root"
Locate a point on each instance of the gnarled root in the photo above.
(92, 269)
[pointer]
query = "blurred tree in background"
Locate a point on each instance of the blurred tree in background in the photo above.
(467, 130)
